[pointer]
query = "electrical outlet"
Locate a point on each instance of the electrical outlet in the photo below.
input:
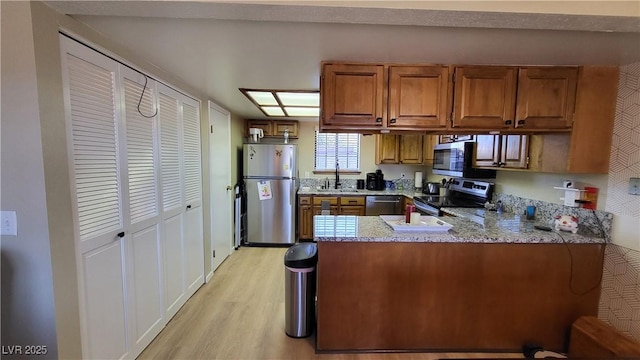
(8, 223)
(634, 186)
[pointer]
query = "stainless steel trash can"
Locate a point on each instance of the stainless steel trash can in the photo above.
(300, 262)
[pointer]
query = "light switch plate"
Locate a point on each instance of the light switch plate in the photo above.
(634, 186)
(8, 223)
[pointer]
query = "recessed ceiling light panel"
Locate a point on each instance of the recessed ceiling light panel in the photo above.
(299, 98)
(262, 97)
(285, 103)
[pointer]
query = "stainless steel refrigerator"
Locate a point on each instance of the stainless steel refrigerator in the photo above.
(270, 181)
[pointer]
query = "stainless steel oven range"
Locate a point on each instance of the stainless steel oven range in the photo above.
(462, 192)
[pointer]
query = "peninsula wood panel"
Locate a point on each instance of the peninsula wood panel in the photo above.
(410, 296)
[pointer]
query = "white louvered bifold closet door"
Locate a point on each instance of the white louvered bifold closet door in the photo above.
(144, 241)
(136, 186)
(170, 116)
(193, 195)
(95, 164)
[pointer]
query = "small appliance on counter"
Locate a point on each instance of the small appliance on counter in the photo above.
(431, 188)
(375, 181)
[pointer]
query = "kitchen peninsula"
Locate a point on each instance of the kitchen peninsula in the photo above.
(492, 282)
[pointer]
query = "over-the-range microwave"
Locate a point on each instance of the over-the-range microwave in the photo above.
(456, 159)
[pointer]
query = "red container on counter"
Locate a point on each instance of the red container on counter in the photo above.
(591, 196)
(407, 213)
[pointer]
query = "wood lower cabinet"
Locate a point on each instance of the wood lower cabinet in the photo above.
(399, 149)
(503, 97)
(305, 218)
(504, 151)
(308, 206)
(352, 205)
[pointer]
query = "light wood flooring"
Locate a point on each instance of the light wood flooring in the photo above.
(239, 314)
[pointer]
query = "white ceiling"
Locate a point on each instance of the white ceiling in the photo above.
(219, 47)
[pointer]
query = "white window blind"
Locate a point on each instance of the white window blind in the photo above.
(341, 147)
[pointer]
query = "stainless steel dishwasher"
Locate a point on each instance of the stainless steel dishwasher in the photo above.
(383, 205)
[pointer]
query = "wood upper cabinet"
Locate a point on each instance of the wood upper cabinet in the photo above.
(357, 97)
(546, 97)
(273, 128)
(586, 149)
(428, 142)
(505, 151)
(485, 97)
(399, 149)
(352, 96)
(418, 97)
(280, 126)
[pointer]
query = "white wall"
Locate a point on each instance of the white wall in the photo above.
(27, 286)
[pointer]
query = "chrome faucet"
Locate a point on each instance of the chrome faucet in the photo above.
(337, 184)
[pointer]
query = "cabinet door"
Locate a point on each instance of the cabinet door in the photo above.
(514, 150)
(546, 97)
(352, 95)
(279, 127)
(333, 210)
(428, 142)
(411, 149)
(265, 125)
(387, 149)
(484, 97)
(352, 210)
(487, 150)
(418, 97)
(306, 222)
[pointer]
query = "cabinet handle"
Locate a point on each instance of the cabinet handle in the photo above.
(379, 120)
(520, 122)
(508, 122)
(393, 121)
(188, 207)
(121, 234)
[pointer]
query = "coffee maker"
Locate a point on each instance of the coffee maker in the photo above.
(375, 181)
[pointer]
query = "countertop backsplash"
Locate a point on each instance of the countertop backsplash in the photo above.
(595, 221)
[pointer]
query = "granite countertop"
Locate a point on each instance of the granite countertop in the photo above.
(469, 226)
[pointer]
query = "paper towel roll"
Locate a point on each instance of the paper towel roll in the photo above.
(418, 179)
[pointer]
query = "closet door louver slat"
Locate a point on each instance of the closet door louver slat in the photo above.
(143, 199)
(191, 148)
(92, 99)
(169, 114)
